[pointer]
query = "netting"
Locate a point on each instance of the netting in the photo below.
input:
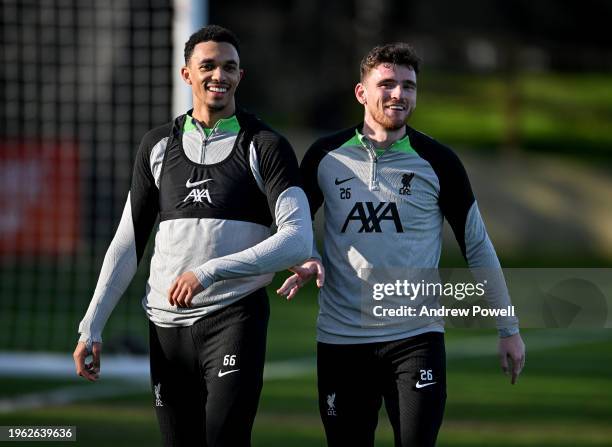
(81, 82)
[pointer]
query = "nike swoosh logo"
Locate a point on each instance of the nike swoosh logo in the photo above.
(221, 373)
(339, 182)
(423, 385)
(191, 184)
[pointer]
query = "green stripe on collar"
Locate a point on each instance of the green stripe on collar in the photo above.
(189, 124)
(229, 125)
(401, 145)
(355, 141)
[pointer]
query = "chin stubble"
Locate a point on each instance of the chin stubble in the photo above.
(215, 108)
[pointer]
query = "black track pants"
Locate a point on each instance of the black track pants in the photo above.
(207, 378)
(408, 374)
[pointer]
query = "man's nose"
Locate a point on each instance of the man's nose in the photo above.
(397, 92)
(218, 74)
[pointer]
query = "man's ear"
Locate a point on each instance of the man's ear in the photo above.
(185, 75)
(360, 93)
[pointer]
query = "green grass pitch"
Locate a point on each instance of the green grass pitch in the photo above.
(564, 397)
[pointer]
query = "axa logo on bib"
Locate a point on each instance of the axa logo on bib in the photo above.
(197, 195)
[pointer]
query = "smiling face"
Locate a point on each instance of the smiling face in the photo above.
(388, 94)
(213, 71)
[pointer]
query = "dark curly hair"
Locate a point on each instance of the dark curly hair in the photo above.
(215, 33)
(398, 53)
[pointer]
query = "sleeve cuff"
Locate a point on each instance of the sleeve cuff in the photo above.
(204, 277)
(315, 252)
(89, 341)
(505, 332)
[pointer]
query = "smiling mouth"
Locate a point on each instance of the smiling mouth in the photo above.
(397, 107)
(217, 88)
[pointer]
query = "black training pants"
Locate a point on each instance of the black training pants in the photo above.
(409, 374)
(207, 377)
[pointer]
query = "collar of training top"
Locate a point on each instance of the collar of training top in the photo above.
(230, 124)
(401, 145)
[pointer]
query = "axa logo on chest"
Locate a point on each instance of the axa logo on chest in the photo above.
(371, 215)
(197, 195)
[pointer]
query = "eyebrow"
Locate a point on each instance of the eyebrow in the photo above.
(214, 61)
(407, 81)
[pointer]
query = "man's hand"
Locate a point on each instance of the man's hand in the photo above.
(302, 274)
(512, 355)
(184, 288)
(90, 371)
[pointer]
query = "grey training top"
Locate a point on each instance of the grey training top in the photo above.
(216, 194)
(385, 209)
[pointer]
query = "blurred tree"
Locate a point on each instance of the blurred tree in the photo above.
(302, 56)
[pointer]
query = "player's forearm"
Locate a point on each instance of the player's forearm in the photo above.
(290, 245)
(118, 269)
(484, 263)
